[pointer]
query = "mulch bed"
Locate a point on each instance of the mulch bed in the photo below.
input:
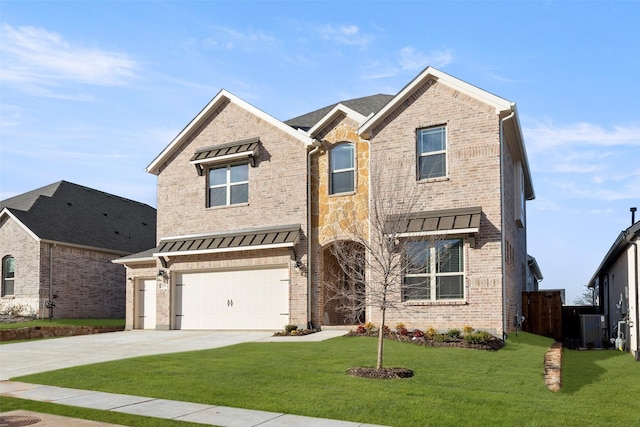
(384, 373)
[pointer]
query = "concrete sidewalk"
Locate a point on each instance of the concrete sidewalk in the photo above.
(161, 408)
(45, 355)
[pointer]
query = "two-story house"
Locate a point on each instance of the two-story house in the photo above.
(249, 208)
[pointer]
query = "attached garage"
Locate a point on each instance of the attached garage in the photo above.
(232, 299)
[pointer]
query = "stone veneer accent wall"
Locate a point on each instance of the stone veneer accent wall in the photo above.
(332, 213)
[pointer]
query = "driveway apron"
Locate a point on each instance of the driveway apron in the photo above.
(32, 357)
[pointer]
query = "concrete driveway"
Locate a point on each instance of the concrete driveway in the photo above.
(46, 355)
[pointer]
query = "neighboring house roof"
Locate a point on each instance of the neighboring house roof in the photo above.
(622, 242)
(506, 109)
(364, 106)
(535, 268)
(218, 101)
(68, 213)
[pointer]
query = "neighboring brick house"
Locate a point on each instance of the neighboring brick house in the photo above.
(244, 199)
(616, 284)
(57, 244)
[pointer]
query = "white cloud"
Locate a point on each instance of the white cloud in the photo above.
(542, 137)
(39, 60)
(415, 60)
(229, 39)
(585, 161)
(345, 34)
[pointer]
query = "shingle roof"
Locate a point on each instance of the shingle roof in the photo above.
(365, 106)
(70, 213)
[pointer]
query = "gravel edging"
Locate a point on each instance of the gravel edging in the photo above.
(553, 367)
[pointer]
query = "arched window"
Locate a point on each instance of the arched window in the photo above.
(342, 169)
(8, 273)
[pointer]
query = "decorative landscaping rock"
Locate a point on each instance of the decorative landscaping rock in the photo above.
(553, 367)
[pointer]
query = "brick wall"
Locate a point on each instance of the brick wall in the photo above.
(277, 196)
(16, 242)
(87, 284)
(473, 162)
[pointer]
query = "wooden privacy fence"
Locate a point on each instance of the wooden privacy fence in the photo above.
(542, 311)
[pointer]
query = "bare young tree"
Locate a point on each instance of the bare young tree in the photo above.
(374, 256)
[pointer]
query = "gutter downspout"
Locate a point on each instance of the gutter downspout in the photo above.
(317, 148)
(637, 303)
(52, 245)
(633, 239)
(502, 224)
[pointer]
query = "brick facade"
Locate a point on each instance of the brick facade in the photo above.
(481, 171)
(16, 242)
(84, 283)
(277, 196)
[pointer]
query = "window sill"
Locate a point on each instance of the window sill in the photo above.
(347, 193)
(439, 179)
(8, 297)
(434, 303)
(236, 205)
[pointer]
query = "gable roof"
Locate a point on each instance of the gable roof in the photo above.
(222, 97)
(365, 106)
(68, 213)
(504, 108)
(431, 73)
(622, 242)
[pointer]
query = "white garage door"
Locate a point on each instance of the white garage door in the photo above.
(146, 304)
(245, 299)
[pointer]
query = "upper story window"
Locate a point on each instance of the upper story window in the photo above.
(342, 169)
(432, 152)
(434, 270)
(228, 185)
(8, 273)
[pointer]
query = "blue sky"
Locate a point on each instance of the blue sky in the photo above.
(92, 91)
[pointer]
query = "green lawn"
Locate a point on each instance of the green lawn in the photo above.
(63, 322)
(451, 386)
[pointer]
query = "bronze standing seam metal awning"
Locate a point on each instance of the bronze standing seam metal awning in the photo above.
(238, 150)
(449, 221)
(264, 238)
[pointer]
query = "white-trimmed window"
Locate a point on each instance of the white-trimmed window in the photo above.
(342, 169)
(432, 152)
(8, 275)
(228, 185)
(434, 270)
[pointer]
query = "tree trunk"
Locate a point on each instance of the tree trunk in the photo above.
(381, 339)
